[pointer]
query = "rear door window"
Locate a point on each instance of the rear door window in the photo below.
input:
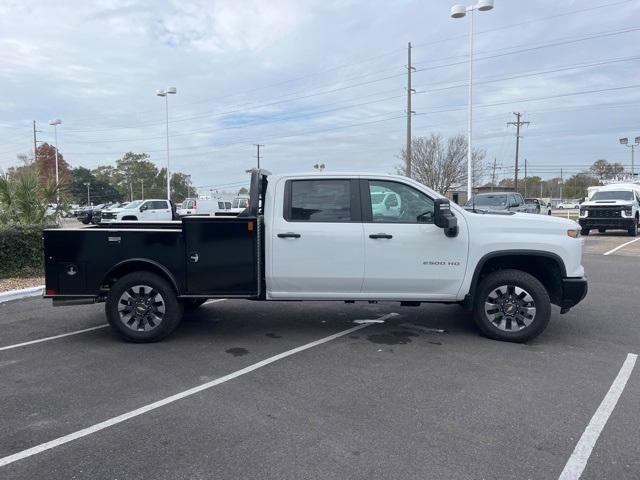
(319, 200)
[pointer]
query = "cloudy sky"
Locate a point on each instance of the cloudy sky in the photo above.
(316, 81)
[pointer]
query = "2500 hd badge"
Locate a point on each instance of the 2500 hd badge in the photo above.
(432, 262)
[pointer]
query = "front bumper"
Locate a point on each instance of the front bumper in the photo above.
(573, 292)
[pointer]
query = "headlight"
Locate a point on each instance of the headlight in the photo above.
(627, 210)
(574, 232)
(583, 211)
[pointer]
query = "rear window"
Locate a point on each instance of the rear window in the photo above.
(319, 201)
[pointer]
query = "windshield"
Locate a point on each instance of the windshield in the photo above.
(613, 195)
(488, 201)
(134, 204)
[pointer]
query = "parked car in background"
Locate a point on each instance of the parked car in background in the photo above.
(614, 207)
(385, 204)
(107, 213)
(541, 207)
(96, 215)
(240, 203)
(87, 213)
(569, 204)
(111, 214)
(151, 210)
(498, 201)
(194, 206)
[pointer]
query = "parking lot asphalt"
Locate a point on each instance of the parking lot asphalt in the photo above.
(400, 399)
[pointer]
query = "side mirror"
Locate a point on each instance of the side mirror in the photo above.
(444, 218)
(144, 207)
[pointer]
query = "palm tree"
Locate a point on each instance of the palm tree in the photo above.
(23, 200)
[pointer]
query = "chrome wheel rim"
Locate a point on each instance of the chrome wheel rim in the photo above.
(141, 308)
(510, 308)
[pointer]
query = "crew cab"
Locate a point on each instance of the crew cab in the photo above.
(316, 236)
(612, 207)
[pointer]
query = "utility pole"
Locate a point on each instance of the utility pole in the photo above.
(517, 124)
(561, 184)
(258, 153)
(88, 194)
(142, 188)
(35, 142)
(410, 112)
(493, 174)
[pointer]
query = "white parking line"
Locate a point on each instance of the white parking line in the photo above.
(40, 340)
(578, 460)
(620, 246)
(173, 398)
(31, 342)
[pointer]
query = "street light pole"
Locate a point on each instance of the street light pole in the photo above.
(625, 142)
(88, 194)
(165, 93)
(459, 11)
(55, 124)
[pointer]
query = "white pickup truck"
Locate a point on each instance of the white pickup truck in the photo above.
(316, 236)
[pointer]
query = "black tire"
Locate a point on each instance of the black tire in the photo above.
(521, 326)
(134, 324)
(191, 304)
(585, 232)
(602, 230)
(633, 229)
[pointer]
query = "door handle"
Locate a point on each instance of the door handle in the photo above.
(289, 235)
(194, 257)
(380, 235)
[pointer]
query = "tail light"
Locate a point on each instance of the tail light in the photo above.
(49, 291)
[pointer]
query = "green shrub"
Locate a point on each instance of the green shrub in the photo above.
(21, 250)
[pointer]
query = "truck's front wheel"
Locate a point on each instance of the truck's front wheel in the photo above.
(511, 305)
(143, 307)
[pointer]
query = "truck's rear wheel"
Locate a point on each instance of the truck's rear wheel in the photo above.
(602, 230)
(143, 307)
(511, 305)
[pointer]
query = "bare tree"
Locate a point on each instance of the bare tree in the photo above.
(442, 164)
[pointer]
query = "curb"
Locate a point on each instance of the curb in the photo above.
(22, 293)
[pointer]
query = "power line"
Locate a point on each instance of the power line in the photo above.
(569, 40)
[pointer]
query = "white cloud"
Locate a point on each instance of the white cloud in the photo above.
(227, 26)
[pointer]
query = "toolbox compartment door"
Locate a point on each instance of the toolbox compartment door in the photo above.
(221, 256)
